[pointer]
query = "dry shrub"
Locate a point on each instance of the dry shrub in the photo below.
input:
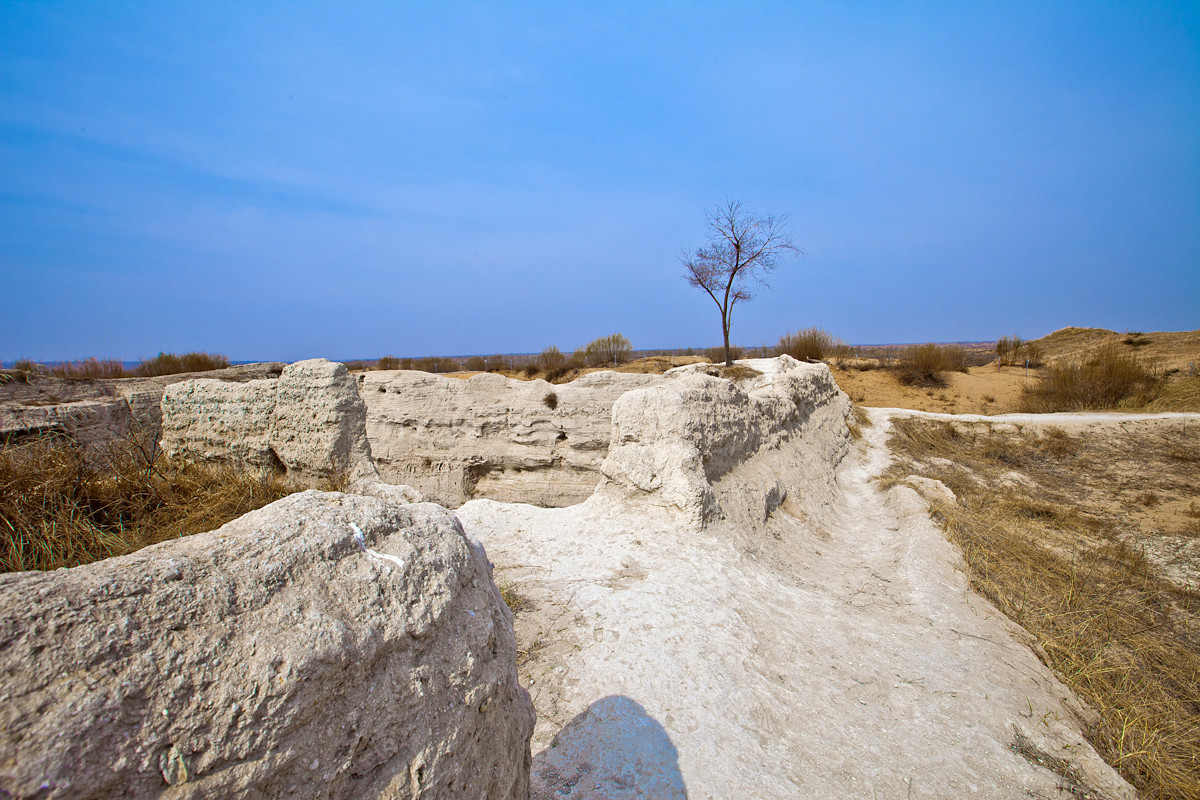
(388, 362)
(810, 344)
(89, 369)
(435, 364)
(1109, 379)
(61, 506)
(612, 349)
(550, 400)
(1108, 626)
(476, 364)
(1135, 339)
(552, 362)
(927, 364)
(717, 354)
(1008, 350)
(171, 364)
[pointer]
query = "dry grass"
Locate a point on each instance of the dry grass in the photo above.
(60, 506)
(1067, 551)
(1174, 349)
(1180, 395)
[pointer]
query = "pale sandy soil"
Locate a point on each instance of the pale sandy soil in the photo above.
(836, 657)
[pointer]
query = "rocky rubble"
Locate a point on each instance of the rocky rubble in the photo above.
(325, 646)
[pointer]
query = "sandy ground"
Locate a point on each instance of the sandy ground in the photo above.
(846, 658)
(981, 390)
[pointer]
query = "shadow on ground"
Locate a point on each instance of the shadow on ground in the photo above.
(612, 751)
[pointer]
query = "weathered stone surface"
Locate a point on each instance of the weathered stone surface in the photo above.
(491, 436)
(325, 646)
(679, 440)
(211, 420)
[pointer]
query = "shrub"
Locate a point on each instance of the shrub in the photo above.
(551, 400)
(171, 364)
(809, 344)
(927, 364)
(388, 362)
(1106, 380)
(496, 363)
(476, 364)
(612, 349)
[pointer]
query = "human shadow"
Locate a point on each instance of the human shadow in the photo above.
(614, 750)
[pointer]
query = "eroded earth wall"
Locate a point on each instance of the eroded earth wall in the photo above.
(324, 646)
(95, 413)
(491, 436)
(310, 423)
(712, 448)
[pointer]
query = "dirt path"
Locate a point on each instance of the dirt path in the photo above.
(842, 656)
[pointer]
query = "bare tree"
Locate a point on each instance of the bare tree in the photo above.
(741, 249)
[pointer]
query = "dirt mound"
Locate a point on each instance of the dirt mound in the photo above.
(1173, 349)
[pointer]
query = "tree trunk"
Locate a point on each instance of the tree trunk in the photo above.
(725, 330)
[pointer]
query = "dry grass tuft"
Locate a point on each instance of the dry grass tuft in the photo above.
(89, 369)
(858, 420)
(736, 372)
(927, 364)
(809, 344)
(171, 364)
(61, 506)
(1108, 379)
(512, 596)
(1059, 558)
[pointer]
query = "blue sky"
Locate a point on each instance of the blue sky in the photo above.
(289, 180)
